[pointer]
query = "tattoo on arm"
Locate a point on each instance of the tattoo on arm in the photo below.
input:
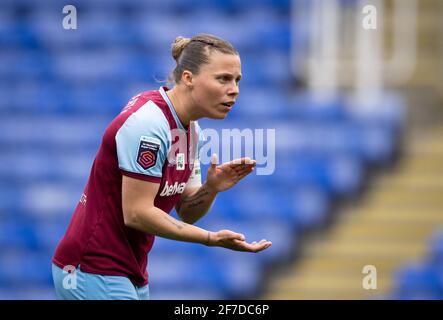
(195, 204)
(179, 225)
(194, 200)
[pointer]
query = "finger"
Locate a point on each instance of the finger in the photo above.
(214, 161)
(227, 168)
(243, 167)
(246, 170)
(263, 242)
(244, 246)
(262, 246)
(241, 170)
(240, 237)
(242, 161)
(252, 247)
(228, 235)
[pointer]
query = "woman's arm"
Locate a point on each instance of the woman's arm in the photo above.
(140, 213)
(196, 201)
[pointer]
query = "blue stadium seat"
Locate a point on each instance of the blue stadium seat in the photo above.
(169, 269)
(9, 193)
(46, 166)
(436, 250)
(254, 102)
(341, 175)
(49, 232)
(157, 292)
(389, 111)
(19, 266)
(54, 133)
(297, 207)
(60, 88)
(280, 233)
(418, 281)
(15, 34)
(306, 106)
(28, 292)
(47, 200)
(283, 235)
(30, 65)
(18, 233)
(230, 277)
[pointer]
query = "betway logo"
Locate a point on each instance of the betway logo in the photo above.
(171, 190)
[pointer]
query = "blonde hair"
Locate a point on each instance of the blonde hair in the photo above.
(191, 53)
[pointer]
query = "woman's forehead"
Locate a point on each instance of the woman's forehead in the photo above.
(222, 62)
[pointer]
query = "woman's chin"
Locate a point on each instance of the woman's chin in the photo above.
(218, 115)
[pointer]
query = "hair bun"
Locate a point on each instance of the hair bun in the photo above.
(179, 44)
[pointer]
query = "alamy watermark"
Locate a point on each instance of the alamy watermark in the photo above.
(70, 280)
(369, 281)
(369, 21)
(70, 20)
(231, 144)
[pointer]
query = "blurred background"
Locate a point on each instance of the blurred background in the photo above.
(352, 88)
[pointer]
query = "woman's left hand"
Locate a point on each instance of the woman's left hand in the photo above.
(224, 176)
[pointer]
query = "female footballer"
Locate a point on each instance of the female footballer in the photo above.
(147, 164)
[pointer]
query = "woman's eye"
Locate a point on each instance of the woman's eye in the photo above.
(224, 79)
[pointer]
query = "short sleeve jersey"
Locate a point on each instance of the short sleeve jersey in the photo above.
(145, 141)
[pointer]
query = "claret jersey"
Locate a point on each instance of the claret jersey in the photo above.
(145, 141)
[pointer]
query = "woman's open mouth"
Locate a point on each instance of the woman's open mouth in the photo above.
(228, 104)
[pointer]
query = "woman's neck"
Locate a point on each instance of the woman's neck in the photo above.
(182, 105)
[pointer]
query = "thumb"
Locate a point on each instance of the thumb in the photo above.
(214, 161)
(240, 237)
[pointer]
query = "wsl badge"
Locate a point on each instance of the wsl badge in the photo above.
(147, 152)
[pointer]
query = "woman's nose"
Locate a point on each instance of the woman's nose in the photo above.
(234, 90)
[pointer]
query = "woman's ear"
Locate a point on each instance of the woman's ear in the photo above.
(187, 78)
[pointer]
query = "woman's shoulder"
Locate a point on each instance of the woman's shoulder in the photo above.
(141, 116)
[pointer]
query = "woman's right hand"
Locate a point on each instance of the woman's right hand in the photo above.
(236, 241)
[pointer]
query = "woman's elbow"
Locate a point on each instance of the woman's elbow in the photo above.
(130, 219)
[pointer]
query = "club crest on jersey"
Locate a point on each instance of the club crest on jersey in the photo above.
(170, 190)
(147, 152)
